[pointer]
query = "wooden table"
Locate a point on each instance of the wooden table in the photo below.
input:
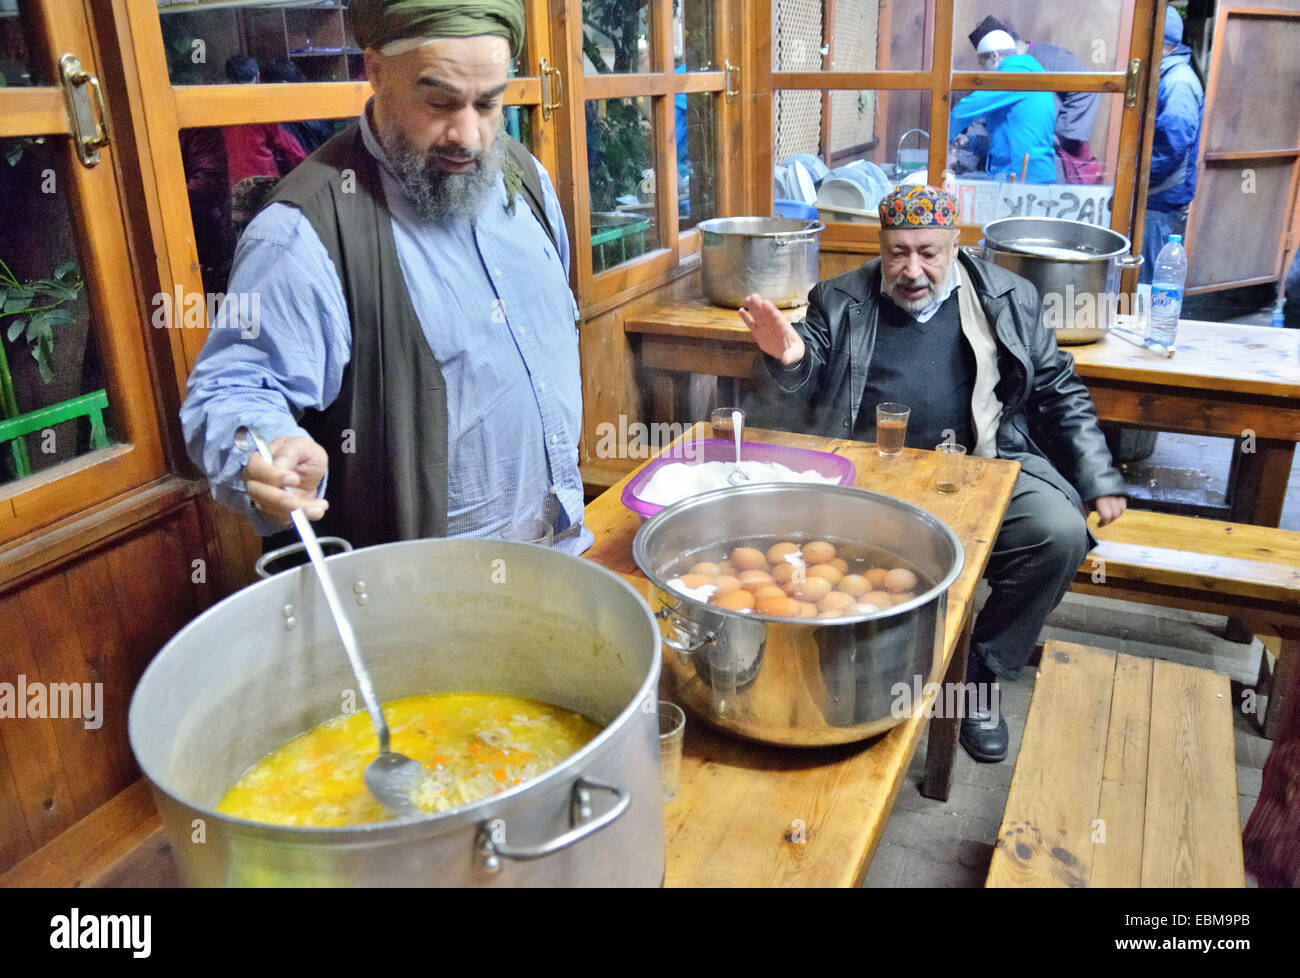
(751, 815)
(1225, 380)
(1232, 381)
(746, 815)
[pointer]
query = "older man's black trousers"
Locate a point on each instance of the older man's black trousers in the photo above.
(1042, 542)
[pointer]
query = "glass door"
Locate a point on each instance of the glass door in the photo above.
(77, 425)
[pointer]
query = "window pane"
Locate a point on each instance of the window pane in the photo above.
(693, 35)
(17, 67)
(1061, 35)
(304, 41)
(841, 151)
(697, 158)
(230, 171)
(850, 35)
(1076, 183)
(49, 356)
(616, 36)
(620, 170)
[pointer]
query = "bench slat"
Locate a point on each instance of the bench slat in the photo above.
(1204, 572)
(1193, 826)
(1118, 862)
(1259, 562)
(1046, 835)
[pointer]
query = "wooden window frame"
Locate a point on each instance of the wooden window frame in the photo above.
(33, 504)
(598, 293)
(940, 80)
(172, 108)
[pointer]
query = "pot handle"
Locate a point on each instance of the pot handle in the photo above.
(663, 615)
(491, 835)
(1130, 261)
(269, 558)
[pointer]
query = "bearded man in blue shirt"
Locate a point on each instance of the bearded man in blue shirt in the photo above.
(416, 334)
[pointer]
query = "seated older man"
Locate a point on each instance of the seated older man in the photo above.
(962, 342)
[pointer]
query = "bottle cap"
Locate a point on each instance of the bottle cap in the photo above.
(1176, 237)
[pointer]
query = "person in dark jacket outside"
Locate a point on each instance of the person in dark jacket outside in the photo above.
(1076, 112)
(1180, 103)
(963, 344)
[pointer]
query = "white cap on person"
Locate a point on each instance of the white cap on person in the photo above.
(995, 41)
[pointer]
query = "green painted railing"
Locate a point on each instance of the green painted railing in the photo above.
(92, 405)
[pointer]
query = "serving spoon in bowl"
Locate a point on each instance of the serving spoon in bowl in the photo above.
(391, 778)
(737, 475)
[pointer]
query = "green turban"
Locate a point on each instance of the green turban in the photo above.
(376, 23)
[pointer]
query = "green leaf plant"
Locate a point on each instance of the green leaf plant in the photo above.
(33, 310)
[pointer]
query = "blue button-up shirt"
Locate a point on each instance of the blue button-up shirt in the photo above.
(493, 300)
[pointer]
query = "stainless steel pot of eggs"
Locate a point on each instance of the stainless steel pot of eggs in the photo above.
(798, 674)
(431, 616)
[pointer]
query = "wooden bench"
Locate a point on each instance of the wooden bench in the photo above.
(1250, 573)
(1126, 777)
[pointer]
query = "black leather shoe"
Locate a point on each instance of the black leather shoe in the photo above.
(984, 737)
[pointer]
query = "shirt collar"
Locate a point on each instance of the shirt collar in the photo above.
(371, 141)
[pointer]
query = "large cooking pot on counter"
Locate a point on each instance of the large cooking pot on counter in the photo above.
(791, 681)
(777, 257)
(1075, 265)
(266, 665)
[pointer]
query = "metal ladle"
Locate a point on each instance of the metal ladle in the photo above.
(391, 778)
(736, 476)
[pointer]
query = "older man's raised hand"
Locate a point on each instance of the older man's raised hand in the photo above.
(773, 332)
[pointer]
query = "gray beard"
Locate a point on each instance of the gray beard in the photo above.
(938, 293)
(435, 193)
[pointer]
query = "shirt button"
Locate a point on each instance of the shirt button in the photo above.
(541, 385)
(496, 272)
(555, 439)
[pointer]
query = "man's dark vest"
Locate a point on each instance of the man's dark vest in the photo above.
(386, 432)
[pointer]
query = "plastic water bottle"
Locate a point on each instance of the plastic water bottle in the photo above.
(1167, 282)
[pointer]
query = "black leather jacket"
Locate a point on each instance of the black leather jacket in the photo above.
(1048, 423)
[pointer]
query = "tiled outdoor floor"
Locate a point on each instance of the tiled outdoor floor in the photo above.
(949, 844)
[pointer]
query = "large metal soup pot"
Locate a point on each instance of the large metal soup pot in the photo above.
(777, 257)
(266, 665)
(797, 681)
(1075, 265)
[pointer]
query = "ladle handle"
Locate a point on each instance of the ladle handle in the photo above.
(737, 427)
(244, 435)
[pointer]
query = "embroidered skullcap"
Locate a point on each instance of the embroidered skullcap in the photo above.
(918, 207)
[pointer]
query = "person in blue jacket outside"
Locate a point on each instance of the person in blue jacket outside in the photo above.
(1020, 124)
(1180, 102)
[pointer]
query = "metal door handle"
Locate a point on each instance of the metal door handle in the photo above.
(549, 72)
(728, 70)
(89, 135)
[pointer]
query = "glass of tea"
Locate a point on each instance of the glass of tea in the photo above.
(891, 428)
(723, 423)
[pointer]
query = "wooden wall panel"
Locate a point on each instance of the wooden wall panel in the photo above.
(31, 746)
(99, 617)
